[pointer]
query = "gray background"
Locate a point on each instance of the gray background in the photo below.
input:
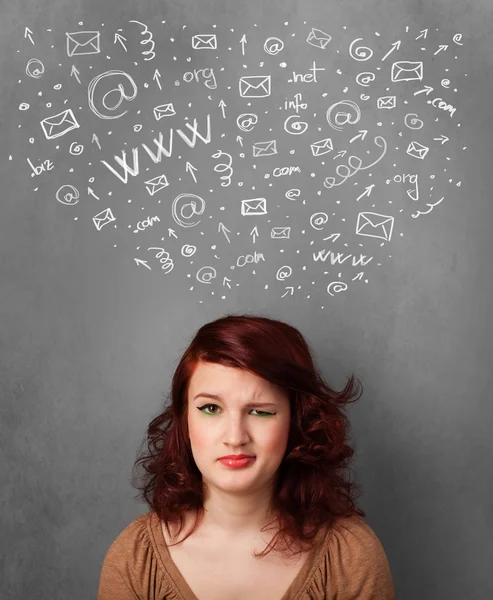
(89, 339)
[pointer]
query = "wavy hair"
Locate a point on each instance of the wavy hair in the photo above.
(313, 486)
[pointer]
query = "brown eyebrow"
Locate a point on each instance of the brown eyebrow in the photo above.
(216, 397)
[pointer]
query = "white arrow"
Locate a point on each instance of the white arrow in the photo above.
(142, 262)
(28, 34)
(157, 78)
(427, 89)
(340, 154)
(190, 168)
(361, 134)
(395, 46)
(442, 138)
(91, 192)
(334, 237)
(222, 105)
(440, 49)
(172, 233)
(223, 229)
(239, 139)
(359, 276)
(288, 288)
(367, 191)
(243, 41)
(422, 34)
(254, 231)
(121, 39)
(95, 139)
(226, 280)
(75, 73)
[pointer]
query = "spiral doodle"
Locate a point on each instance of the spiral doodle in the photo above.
(273, 46)
(137, 127)
(361, 53)
(284, 272)
(149, 40)
(221, 167)
(188, 250)
(247, 121)
(179, 219)
(68, 195)
(319, 218)
(293, 194)
(343, 118)
(206, 274)
(364, 79)
(76, 149)
(364, 97)
(337, 287)
(457, 38)
(295, 128)
(35, 68)
(445, 83)
(24, 106)
(413, 122)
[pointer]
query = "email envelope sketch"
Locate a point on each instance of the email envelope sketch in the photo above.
(375, 225)
(204, 42)
(59, 124)
(321, 147)
(264, 148)
(386, 102)
(165, 110)
(417, 150)
(280, 233)
(156, 184)
(254, 206)
(318, 38)
(80, 43)
(103, 218)
(255, 86)
(407, 71)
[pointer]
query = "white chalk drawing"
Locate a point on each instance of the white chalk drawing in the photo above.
(207, 41)
(361, 53)
(412, 121)
(273, 46)
(166, 261)
(281, 171)
(438, 102)
(189, 168)
(118, 90)
(68, 194)
(193, 128)
(46, 165)
(156, 184)
(24, 106)
(280, 233)
(395, 46)
(375, 225)
(206, 274)
(163, 110)
(457, 38)
(307, 77)
(345, 172)
(35, 68)
(318, 38)
(59, 124)
(417, 150)
(322, 147)
(224, 168)
(249, 258)
(364, 97)
(103, 218)
(296, 104)
(443, 139)
(318, 220)
(222, 105)
(293, 194)
(284, 272)
(28, 34)
(120, 39)
(206, 74)
(336, 287)
(341, 118)
(76, 148)
(445, 83)
(366, 193)
(264, 148)
(182, 211)
(149, 54)
(407, 71)
(137, 127)
(364, 79)
(146, 223)
(414, 194)
(81, 43)
(188, 250)
(339, 258)
(386, 102)
(255, 86)
(254, 206)
(295, 127)
(416, 214)
(247, 121)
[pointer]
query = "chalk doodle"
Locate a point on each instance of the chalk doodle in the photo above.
(346, 153)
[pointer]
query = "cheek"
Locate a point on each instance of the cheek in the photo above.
(276, 439)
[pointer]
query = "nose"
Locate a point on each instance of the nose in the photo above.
(236, 431)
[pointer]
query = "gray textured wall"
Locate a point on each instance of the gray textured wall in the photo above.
(90, 336)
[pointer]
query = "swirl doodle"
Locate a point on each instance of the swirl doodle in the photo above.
(76, 149)
(68, 195)
(361, 53)
(206, 274)
(24, 106)
(413, 122)
(284, 272)
(419, 212)
(188, 250)
(192, 204)
(319, 218)
(149, 40)
(273, 46)
(293, 194)
(457, 38)
(343, 118)
(355, 163)
(364, 79)
(221, 167)
(295, 128)
(164, 258)
(119, 88)
(247, 121)
(337, 287)
(35, 68)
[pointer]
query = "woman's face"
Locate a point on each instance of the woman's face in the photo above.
(235, 421)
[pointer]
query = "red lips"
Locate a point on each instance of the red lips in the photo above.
(236, 456)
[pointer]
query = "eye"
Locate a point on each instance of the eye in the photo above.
(261, 413)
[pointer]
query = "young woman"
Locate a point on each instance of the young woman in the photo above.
(250, 459)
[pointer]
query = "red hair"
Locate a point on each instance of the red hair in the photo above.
(312, 487)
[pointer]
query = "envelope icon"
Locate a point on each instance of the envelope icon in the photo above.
(265, 148)
(255, 86)
(280, 233)
(254, 206)
(321, 147)
(407, 71)
(318, 38)
(375, 225)
(103, 218)
(156, 184)
(80, 43)
(386, 102)
(165, 110)
(417, 150)
(204, 42)
(59, 124)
